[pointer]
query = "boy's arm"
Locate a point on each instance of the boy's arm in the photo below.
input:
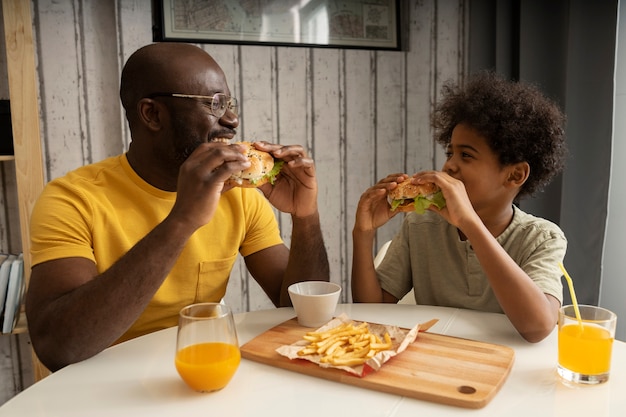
(372, 212)
(533, 313)
(365, 285)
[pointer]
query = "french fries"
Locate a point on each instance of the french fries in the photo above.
(345, 345)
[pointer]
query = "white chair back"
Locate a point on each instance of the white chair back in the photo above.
(409, 298)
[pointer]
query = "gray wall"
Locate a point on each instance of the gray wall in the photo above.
(613, 288)
(567, 48)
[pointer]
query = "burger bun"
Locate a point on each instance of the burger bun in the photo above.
(408, 191)
(261, 163)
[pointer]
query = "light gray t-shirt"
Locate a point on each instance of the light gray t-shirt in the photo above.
(428, 255)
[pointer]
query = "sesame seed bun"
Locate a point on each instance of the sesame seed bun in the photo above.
(407, 192)
(261, 164)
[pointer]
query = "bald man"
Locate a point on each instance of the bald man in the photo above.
(120, 246)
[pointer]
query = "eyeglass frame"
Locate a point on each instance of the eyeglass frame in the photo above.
(232, 103)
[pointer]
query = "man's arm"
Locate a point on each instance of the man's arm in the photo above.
(294, 192)
(277, 267)
(74, 313)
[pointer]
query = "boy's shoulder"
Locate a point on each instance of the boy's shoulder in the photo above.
(530, 223)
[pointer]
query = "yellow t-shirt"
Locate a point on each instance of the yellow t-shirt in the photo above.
(102, 210)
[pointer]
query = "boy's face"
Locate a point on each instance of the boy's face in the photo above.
(473, 162)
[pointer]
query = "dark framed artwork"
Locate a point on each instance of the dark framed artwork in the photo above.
(364, 24)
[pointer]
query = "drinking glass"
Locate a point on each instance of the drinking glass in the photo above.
(585, 347)
(207, 349)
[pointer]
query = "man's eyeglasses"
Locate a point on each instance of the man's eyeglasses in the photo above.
(217, 105)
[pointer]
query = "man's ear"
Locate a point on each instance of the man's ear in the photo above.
(149, 113)
(518, 174)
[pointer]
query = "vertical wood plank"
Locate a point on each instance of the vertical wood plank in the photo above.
(390, 129)
(449, 55)
(359, 166)
(135, 18)
(133, 26)
(5, 225)
(4, 76)
(25, 368)
(258, 117)
(7, 380)
(325, 96)
(10, 237)
(23, 93)
(421, 89)
(61, 82)
(7, 169)
(100, 81)
(15, 370)
(292, 107)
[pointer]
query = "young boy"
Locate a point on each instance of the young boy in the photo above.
(503, 140)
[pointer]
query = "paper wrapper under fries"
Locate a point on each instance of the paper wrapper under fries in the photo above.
(356, 347)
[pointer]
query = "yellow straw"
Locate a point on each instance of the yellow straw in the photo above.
(570, 284)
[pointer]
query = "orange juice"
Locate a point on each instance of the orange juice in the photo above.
(585, 350)
(207, 366)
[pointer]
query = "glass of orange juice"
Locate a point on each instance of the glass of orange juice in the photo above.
(585, 346)
(207, 349)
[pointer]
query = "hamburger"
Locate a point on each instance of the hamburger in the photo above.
(411, 197)
(263, 169)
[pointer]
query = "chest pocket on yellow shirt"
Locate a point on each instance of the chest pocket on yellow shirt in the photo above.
(213, 279)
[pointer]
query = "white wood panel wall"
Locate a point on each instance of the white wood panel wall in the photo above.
(361, 114)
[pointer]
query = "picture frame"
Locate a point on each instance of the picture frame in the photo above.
(361, 24)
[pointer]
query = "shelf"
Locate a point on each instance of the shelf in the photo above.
(25, 120)
(7, 157)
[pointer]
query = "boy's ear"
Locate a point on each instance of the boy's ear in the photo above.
(518, 174)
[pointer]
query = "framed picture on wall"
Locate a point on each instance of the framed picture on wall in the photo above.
(365, 24)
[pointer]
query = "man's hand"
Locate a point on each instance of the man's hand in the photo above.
(201, 181)
(295, 189)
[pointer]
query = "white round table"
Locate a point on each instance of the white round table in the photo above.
(138, 378)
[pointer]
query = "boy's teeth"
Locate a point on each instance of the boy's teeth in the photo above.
(224, 140)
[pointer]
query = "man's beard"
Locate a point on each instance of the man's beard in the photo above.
(186, 141)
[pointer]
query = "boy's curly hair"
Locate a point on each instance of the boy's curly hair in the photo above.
(518, 121)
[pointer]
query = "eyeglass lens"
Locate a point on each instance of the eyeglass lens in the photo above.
(220, 103)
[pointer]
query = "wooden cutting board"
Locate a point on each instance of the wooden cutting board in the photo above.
(437, 368)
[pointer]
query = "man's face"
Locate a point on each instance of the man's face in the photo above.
(194, 121)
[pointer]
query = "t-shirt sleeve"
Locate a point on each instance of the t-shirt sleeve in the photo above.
(394, 272)
(262, 226)
(542, 264)
(59, 225)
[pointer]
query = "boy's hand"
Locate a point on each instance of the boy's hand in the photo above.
(373, 209)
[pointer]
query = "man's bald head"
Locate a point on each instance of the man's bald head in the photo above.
(163, 67)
